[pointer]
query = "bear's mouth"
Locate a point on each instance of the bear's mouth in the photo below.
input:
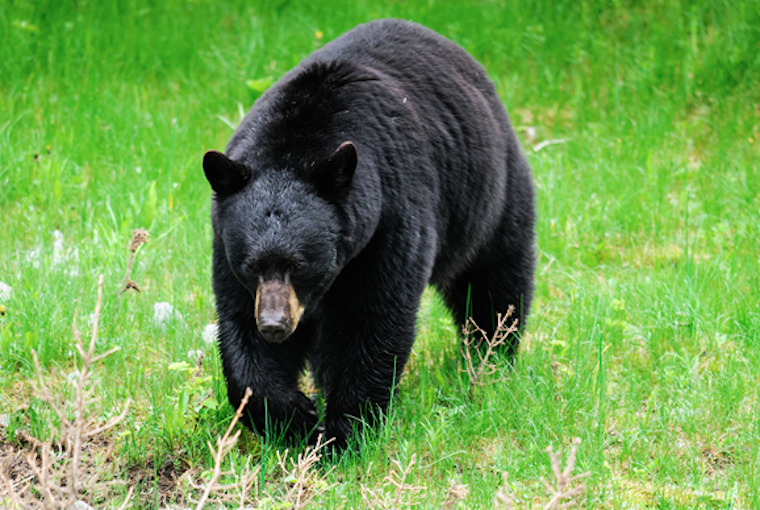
(277, 309)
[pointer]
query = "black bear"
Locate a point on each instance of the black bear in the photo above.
(381, 163)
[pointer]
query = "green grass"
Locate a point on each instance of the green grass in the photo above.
(644, 340)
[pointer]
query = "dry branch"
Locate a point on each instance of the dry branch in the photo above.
(475, 337)
(457, 492)
(306, 484)
(220, 493)
(563, 494)
(503, 498)
(402, 494)
(564, 489)
(139, 236)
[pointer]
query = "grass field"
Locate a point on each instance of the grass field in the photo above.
(644, 341)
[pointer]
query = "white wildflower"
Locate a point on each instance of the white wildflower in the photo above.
(164, 313)
(5, 291)
(59, 255)
(63, 257)
(72, 377)
(81, 505)
(210, 333)
(34, 257)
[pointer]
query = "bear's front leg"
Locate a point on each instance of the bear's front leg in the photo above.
(362, 373)
(277, 407)
(365, 337)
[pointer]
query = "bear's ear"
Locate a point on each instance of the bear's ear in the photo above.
(333, 175)
(225, 176)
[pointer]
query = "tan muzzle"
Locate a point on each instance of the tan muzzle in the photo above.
(277, 310)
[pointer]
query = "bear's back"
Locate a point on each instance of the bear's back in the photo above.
(423, 115)
(407, 51)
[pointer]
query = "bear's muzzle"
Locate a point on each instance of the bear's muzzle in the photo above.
(278, 310)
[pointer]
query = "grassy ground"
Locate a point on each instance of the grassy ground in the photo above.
(644, 341)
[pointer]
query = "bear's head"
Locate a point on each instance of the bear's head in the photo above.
(281, 230)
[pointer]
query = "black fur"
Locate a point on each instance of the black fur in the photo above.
(435, 189)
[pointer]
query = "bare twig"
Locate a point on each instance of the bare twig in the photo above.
(563, 494)
(564, 489)
(380, 498)
(306, 484)
(15, 495)
(224, 445)
(500, 337)
(124, 504)
(503, 498)
(82, 375)
(547, 143)
(457, 492)
(139, 236)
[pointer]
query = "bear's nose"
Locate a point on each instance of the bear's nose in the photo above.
(273, 325)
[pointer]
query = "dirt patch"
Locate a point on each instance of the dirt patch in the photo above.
(153, 485)
(17, 452)
(157, 485)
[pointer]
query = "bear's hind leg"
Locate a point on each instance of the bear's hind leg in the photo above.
(486, 291)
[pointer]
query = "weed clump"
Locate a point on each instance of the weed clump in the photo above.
(395, 491)
(62, 471)
(564, 493)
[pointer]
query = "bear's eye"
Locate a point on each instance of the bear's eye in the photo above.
(294, 266)
(254, 267)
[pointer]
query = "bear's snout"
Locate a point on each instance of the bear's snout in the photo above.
(278, 310)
